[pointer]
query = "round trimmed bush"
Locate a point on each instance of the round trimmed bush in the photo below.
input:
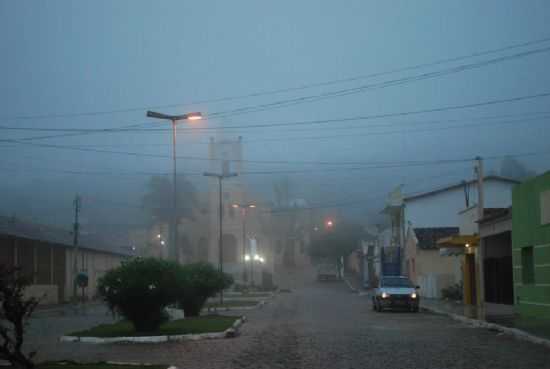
(197, 282)
(140, 289)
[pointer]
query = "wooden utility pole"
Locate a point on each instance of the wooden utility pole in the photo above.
(76, 228)
(480, 250)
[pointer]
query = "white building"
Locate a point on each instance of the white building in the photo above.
(419, 219)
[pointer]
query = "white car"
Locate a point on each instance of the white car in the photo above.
(396, 292)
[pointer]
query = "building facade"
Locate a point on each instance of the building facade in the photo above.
(438, 214)
(46, 255)
(531, 247)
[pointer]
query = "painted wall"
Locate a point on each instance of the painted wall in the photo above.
(532, 298)
(428, 269)
(442, 209)
(94, 263)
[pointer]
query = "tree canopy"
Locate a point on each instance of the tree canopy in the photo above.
(159, 198)
(334, 243)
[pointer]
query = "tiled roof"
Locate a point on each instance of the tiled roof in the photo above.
(427, 237)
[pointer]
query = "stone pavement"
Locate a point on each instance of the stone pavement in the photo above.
(321, 325)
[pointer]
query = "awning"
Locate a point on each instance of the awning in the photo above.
(459, 240)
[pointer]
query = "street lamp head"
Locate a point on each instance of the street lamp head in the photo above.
(236, 206)
(194, 116)
(252, 206)
(247, 257)
(159, 235)
(162, 242)
(262, 260)
(173, 118)
(256, 257)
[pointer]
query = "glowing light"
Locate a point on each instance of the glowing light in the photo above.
(194, 116)
(247, 257)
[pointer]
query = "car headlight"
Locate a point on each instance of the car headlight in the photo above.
(385, 295)
(413, 295)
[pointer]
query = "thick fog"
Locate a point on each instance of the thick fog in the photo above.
(346, 100)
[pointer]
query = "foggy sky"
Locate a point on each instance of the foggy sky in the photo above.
(64, 57)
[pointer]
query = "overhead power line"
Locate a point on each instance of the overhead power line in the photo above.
(356, 90)
(332, 120)
(281, 90)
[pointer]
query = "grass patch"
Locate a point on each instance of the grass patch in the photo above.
(232, 304)
(195, 325)
(73, 365)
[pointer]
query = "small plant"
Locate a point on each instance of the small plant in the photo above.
(140, 290)
(196, 283)
(15, 313)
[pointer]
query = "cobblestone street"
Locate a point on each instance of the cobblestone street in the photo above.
(322, 326)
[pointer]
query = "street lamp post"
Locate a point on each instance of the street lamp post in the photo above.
(174, 120)
(244, 211)
(220, 178)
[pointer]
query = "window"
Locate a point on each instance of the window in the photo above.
(527, 265)
(545, 207)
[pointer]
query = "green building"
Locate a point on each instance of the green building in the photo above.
(531, 247)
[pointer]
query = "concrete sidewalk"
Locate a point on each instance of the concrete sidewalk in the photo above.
(529, 329)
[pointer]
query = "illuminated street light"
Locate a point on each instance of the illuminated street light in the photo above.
(159, 235)
(194, 116)
(162, 242)
(247, 257)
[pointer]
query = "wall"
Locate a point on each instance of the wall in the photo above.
(42, 261)
(531, 298)
(442, 209)
(446, 270)
(94, 263)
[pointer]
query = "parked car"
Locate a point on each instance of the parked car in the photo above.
(327, 272)
(396, 292)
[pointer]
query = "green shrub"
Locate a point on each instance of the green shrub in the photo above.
(140, 289)
(196, 283)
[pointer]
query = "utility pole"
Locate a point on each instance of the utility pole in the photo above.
(220, 177)
(480, 193)
(480, 250)
(76, 228)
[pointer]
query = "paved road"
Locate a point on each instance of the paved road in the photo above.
(325, 326)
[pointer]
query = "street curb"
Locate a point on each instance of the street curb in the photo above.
(353, 289)
(236, 308)
(514, 332)
(230, 332)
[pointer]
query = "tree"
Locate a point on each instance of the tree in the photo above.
(196, 283)
(337, 242)
(140, 289)
(511, 168)
(159, 198)
(14, 316)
